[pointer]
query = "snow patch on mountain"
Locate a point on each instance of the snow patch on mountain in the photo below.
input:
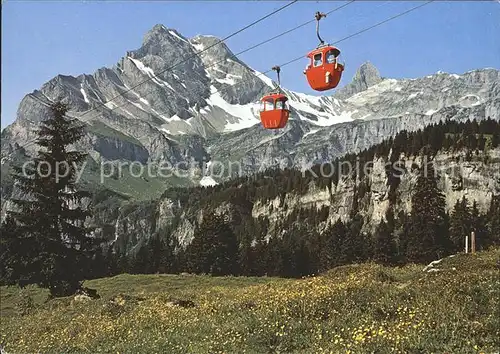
(315, 100)
(264, 79)
(149, 72)
(226, 80)
(198, 46)
(413, 95)
(208, 181)
(245, 113)
(143, 100)
(374, 92)
(137, 105)
(469, 100)
(177, 36)
(174, 117)
(311, 132)
(111, 105)
(326, 121)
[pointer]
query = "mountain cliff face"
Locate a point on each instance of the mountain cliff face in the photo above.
(204, 112)
(278, 206)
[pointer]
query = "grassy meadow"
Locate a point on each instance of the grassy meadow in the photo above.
(364, 308)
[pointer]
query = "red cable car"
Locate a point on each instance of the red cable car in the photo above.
(274, 112)
(323, 71)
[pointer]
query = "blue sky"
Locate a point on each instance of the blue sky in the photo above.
(46, 38)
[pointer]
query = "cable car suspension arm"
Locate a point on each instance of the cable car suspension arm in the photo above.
(277, 69)
(319, 16)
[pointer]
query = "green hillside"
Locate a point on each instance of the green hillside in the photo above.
(351, 309)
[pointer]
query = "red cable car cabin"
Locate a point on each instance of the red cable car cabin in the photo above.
(324, 72)
(274, 113)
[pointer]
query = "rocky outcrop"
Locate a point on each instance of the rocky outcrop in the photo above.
(366, 76)
(479, 183)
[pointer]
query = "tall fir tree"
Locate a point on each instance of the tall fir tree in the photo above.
(478, 225)
(332, 240)
(123, 263)
(353, 247)
(428, 235)
(247, 256)
(495, 140)
(460, 224)
(214, 249)
(493, 222)
(111, 262)
(12, 255)
(385, 250)
(142, 261)
(51, 219)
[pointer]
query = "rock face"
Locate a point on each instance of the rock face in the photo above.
(366, 76)
(479, 182)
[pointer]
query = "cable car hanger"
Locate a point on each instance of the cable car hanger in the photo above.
(319, 16)
(277, 69)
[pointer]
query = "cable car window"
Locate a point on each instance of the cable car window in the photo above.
(269, 104)
(317, 59)
(279, 104)
(330, 57)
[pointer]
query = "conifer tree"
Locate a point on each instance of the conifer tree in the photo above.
(123, 263)
(11, 252)
(53, 234)
(331, 241)
(385, 250)
(495, 140)
(156, 248)
(274, 260)
(352, 249)
(427, 238)
(226, 251)
(142, 261)
(261, 251)
(214, 249)
(111, 262)
(478, 225)
(247, 256)
(401, 231)
(98, 264)
(493, 222)
(460, 224)
(168, 260)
